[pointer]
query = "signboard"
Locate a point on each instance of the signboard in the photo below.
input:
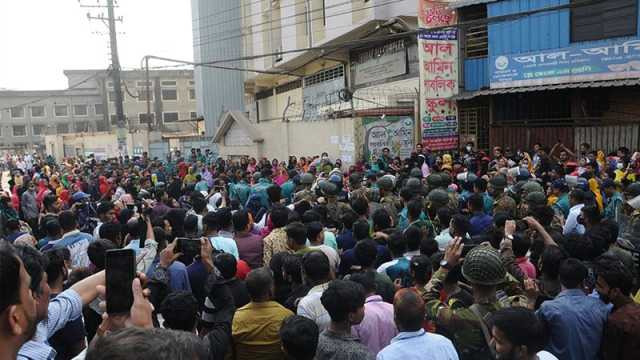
(611, 59)
(321, 92)
(438, 51)
(393, 132)
(379, 63)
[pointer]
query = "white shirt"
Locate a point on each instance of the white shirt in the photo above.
(332, 254)
(311, 307)
(571, 225)
(545, 355)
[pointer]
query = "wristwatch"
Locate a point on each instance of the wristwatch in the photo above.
(444, 264)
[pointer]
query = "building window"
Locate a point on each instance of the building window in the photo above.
(170, 117)
(476, 37)
(142, 94)
(168, 83)
(39, 129)
(193, 115)
(191, 82)
(324, 75)
(17, 112)
(110, 84)
(80, 110)
(192, 94)
(144, 83)
(62, 128)
(112, 96)
(170, 94)
(114, 119)
(99, 109)
(62, 110)
(19, 130)
(142, 117)
(102, 125)
(37, 111)
(82, 126)
(603, 20)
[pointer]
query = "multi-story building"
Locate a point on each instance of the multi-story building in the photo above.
(216, 28)
(321, 74)
(547, 71)
(27, 116)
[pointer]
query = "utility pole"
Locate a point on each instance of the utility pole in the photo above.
(110, 21)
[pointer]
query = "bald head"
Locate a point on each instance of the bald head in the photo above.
(408, 307)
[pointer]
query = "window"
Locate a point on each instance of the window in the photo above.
(193, 115)
(82, 126)
(168, 83)
(191, 82)
(112, 96)
(39, 129)
(114, 119)
(170, 94)
(170, 117)
(19, 130)
(476, 37)
(110, 84)
(144, 83)
(99, 109)
(17, 112)
(80, 110)
(37, 111)
(62, 110)
(142, 117)
(62, 128)
(192, 94)
(142, 94)
(324, 75)
(603, 20)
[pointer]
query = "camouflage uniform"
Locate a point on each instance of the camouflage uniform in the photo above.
(392, 204)
(305, 194)
(360, 192)
(335, 209)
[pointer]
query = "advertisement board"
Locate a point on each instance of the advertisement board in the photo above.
(393, 132)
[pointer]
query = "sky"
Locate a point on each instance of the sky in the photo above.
(41, 38)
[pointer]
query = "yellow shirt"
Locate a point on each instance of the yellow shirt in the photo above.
(637, 297)
(256, 330)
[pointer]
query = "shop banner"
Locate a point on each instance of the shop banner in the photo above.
(611, 59)
(438, 51)
(393, 132)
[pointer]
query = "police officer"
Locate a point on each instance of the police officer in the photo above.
(306, 180)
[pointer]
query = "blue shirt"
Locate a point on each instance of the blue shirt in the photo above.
(479, 223)
(575, 322)
(418, 345)
(202, 186)
(178, 276)
(287, 189)
(345, 240)
(65, 307)
(225, 244)
(78, 243)
(240, 192)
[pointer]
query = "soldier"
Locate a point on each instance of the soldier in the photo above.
(335, 208)
(355, 184)
(389, 200)
(306, 180)
(466, 326)
(436, 199)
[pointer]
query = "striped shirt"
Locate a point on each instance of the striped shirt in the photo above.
(65, 307)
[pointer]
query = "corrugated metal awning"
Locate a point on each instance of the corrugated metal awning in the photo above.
(464, 3)
(580, 85)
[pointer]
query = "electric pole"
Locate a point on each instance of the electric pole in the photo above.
(110, 21)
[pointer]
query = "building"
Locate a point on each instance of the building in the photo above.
(217, 25)
(343, 77)
(537, 76)
(27, 116)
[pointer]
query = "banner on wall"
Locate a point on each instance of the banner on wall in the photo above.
(438, 52)
(393, 132)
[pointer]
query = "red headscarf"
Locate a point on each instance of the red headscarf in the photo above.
(104, 186)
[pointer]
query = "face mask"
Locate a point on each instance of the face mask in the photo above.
(325, 157)
(619, 166)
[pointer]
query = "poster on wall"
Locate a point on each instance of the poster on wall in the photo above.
(438, 52)
(393, 132)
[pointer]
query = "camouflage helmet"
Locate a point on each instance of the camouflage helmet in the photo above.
(498, 181)
(355, 178)
(536, 198)
(385, 183)
(415, 173)
(445, 179)
(532, 186)
(336, 178)
(438, 196)
(433, 180)
(632, 190)
(413, 183)
(306, 179)
(328, 188)
(483, 266)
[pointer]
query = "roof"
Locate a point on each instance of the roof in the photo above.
(579, 85)
(239, 117)
(464, 3)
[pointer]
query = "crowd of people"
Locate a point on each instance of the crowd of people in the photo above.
(459, 255)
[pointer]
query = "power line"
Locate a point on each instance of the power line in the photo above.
(227, 10)
(295, 23)
(96, 74)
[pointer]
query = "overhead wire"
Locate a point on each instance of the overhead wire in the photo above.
(198, 19)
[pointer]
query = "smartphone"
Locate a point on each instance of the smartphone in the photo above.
(120, 266)
(189, 248)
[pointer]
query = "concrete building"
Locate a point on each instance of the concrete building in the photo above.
(302, 101)
(216, 28)
(27, 116)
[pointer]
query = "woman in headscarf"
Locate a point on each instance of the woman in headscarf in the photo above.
(281, 176)
(103, 185)
(595, 189)
(43, 190)
(64, 197)
(602, 161)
